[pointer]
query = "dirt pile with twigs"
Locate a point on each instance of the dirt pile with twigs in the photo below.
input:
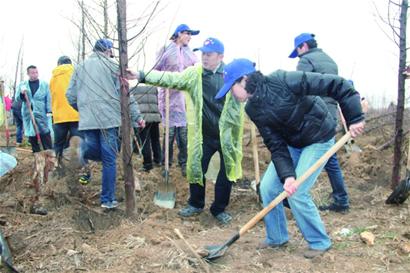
(77, 236)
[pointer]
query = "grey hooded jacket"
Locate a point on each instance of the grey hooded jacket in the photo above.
(94, 92)
(315, 60)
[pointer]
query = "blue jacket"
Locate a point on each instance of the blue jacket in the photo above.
(40, 104)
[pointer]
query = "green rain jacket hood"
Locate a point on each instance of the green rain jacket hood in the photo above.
(230, 122)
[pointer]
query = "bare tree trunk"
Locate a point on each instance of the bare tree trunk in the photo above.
(398, 141)
(22, 66)
(105, 7)
(82, 31)
(125, 111)
(17, 67)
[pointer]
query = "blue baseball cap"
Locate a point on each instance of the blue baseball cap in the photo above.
(234, 71)
(212, 45)
(304, 37)
(181, 28)
(103, 45)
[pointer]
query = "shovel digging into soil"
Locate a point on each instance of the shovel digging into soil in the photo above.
(215, 252)
(402, 191)
(165, 196)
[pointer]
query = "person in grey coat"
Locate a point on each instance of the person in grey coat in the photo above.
(314, 59)
(94, 92)
(147, 98)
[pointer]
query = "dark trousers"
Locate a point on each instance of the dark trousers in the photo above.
(340, 196)
(180, 135)
(150, 144)
(45, 140)
(19, 127)
(62, 134)
(222, 187)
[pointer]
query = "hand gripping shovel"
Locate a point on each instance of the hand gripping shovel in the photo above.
(350, 146)
(165, 196)
(215, 252)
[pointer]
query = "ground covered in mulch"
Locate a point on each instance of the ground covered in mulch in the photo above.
(77, 236)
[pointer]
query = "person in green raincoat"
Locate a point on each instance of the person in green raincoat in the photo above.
(213, 126)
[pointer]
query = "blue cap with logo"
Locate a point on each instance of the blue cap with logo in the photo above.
(212, 45)
(103, 45)
(182, 28)
(234, 71)
(304, 37)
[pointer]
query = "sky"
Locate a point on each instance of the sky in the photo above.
(261, 30)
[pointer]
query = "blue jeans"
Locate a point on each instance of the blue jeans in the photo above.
(103, 145)
(334, 173)
(303, 208)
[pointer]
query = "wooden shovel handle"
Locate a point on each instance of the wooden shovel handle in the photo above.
(342, 118)
(255, 154)
(166, 154)
(33, 120)
(299, 181)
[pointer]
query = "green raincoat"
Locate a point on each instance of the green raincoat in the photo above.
(230, 122)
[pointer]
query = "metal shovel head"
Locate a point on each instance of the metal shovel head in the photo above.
(215, 252)
(400, 193)
(165, 196)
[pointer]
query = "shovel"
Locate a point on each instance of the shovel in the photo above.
(402, 191)
(165, 196)
(350, 146)
(256, 183)
(5, 255)
(215, 252)
(33, 120)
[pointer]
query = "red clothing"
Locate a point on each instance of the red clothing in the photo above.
(8, 103)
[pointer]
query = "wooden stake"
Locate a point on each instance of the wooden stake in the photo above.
(204, 265)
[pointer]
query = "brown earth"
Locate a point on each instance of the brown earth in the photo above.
(77, 236)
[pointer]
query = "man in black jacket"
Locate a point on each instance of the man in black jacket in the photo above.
(298, 129)
(313, 59)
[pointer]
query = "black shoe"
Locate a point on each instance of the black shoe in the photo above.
(335, 208)
(145, 169)
(183, 171)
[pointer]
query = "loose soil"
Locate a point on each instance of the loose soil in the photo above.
(78, 236)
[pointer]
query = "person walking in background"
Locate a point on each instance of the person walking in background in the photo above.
(147, 98)
(65, 117)
(314, 59)
(38, 94)
(176, 57)
(94, 91)
(34, 94)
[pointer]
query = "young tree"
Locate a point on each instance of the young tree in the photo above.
(398, 27)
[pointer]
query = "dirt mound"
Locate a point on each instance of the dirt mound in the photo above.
(78, 236)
